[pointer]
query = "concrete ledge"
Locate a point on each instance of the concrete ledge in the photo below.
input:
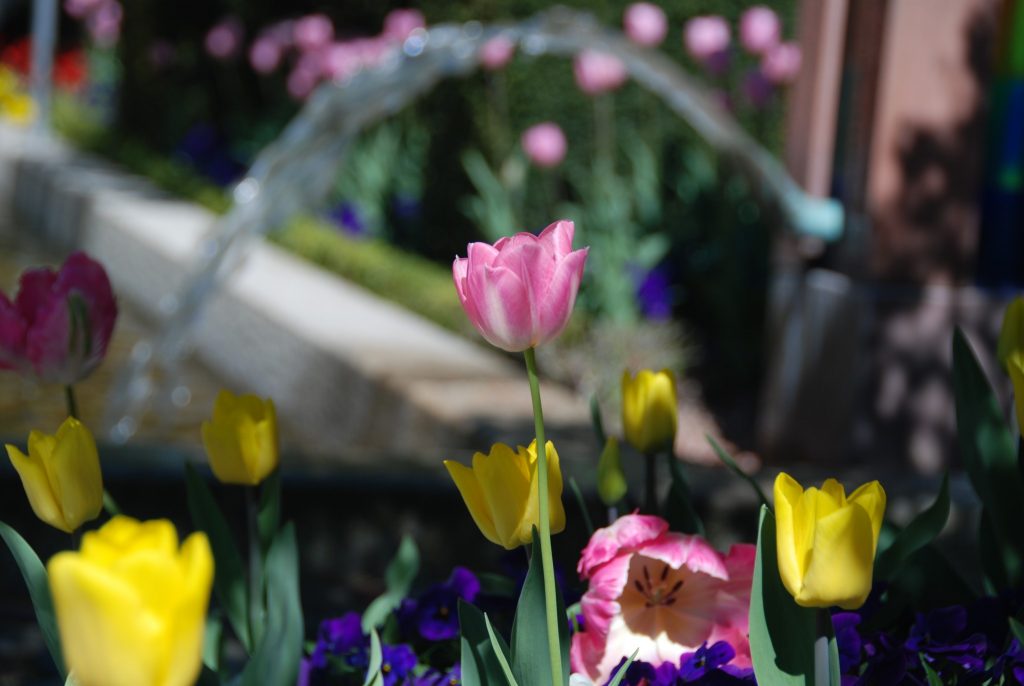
(355, 377)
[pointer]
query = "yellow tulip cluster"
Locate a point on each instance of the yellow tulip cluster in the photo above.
(15, 105)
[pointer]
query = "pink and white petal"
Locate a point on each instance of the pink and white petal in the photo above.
(460, 267)
(480, 254)
(692, 552)
(557, 303)
(625, 534)
(47, 343)
(557, 237)
(503, 307)
(598, 613)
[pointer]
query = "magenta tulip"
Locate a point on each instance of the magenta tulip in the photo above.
(544, 144)
(598, 72)
(781, 64)
(58, 327)
(313, 32)
(265, 54)
(706, 38)
(760, 29)
(519, 292)
(645, 24)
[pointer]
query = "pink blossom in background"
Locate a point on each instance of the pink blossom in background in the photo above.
(645, 23)
(104, 23)
(658, 592)
(282, 32)
(598, 72)
(80, 9)
(544, 144)
(313, 32)
(341, 60)
(760, 29)
(59, 324)
(497, 52)
(519, 292)
(304, 76)
(372, 51)
(781, 64)
(706, 38)
(398, 24)
(224, 40)
(265, 54)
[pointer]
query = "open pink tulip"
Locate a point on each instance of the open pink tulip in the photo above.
(519, 292)
(660, 593)
(58, 327)
(645, 23)
(544, 144)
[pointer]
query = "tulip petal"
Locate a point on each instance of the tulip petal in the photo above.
(473, 495)
(504, 477)
(196, 567)
(12, 334)
(37, 487)
(504, 308)
(223, 450)
(107, 635)
(35, 291)
(788, 494)
(85, 277)
(557, 237)
(841, 561)
(834, 490)
(76, 473)
(557, 301)
(556, 509)
(47, 342)
(871, 496)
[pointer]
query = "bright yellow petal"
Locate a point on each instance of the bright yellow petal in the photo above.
(466, 481)
(841, 563)
(224, 406)
(556, 509)
(107, 637)
(76, 470)
(185, 653)
(834, 490)
(871, 496)
(37, 488)
(224, 453)
(787, 495)
(506, 487)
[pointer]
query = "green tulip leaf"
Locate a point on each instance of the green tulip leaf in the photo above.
(729, 462)
(479, 662)
(398, 577)
(933, 677)
(679, 510)
(229, 576)
(595, 420)
(34, 574)
(275, 661)
(1018, 630)
(213, 641)
(581, 503)
(989, 453)
(268, 519)
(621, 673)
(921, 531)
(530, 657)
(374, 676)
(500, 652)
(782, 634)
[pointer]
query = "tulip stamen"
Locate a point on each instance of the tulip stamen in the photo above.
(657, 595)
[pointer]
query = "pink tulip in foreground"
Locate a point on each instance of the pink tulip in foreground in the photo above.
(661, 593)
(58, 326)
(519, 292)
(544, 144)
(598, 72)
(645, 23)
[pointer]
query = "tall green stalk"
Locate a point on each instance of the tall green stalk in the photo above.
(543, 507)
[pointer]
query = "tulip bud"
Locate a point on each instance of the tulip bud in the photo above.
(598, 72)
(497, 52)
(645, 23)
(241, 439)
(131, 606)
(501, 493)
(826, 542)
(544, 144)
(519, 292)
(649, 410)
(611, 482)
(61, 475)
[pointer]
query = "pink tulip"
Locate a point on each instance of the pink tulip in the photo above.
(224, 40)
(760, 29)
(304, 76)
(398, 24)
(340, 61)
(706, 38)
(519, 292)
(544, 144)
(781, 64)
(645, 23)
(598, 72)
(265, 54)
(496, 53)
(313, 32)
(58, 327)
(658, 592)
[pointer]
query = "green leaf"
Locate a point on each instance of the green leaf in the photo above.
(1018, 630)
(530, 658)
(989, 453)
(213, 640)
(497, 584)
(933, 677)
(581, 503)
(110, 505)
(275, 661)
(679, 510)
(398, 577)
(229, 576)
(729, 462)
(595, 420)
(782, 633)
(921, 531)
(268, 518)
(621, 674)
(500, 652)
(374, 677)
(480, 666)
(34, 574)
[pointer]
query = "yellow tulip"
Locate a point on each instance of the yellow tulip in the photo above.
(826, 542)
(649, 410)
(18, 107)
(500, 491)
(61, 475)
(241, 439)
(1011, 336)
(131, 606)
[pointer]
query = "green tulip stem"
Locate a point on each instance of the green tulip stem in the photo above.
(651, 484)
(69, 400)
(543, 514)
(255, 564)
